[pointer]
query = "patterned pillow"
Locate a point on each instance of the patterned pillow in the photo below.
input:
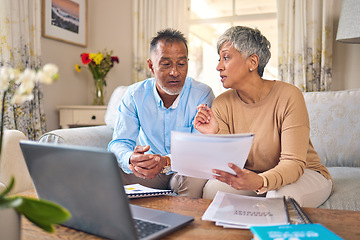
(335, 126)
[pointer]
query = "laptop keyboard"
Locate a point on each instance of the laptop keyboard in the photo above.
(146, 228)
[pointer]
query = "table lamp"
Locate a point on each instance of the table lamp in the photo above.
(349, 22)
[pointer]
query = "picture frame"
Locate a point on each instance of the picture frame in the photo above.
(65, 21)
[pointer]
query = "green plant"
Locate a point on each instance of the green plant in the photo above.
(19, 85)
(41, 212)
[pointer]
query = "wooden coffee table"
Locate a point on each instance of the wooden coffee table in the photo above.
(346, 224)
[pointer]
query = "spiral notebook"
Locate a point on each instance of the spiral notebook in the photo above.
(138, 190)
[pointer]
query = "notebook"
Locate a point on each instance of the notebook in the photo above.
(137, 191)
(87, 181)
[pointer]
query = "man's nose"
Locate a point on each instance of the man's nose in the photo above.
(174, 71)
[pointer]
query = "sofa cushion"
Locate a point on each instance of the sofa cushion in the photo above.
(113, 106)
(94, 136)
(334, 126)
(346, 192)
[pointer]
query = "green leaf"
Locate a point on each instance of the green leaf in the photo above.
(43, 213)
(12, 202)
(8, 188)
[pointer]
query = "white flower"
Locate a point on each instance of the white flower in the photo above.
(26, 85)
(5, 73)
(48, 73)
(27, 77)
(19, 98)
(21, 84)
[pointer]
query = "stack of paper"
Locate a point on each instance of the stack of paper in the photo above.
(196, 155)
(237, 211)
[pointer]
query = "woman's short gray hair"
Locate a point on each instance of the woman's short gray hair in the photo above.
(247, 41)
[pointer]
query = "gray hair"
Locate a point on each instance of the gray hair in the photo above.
(247, 41)
(169, 35)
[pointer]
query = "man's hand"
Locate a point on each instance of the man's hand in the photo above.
(146, 165)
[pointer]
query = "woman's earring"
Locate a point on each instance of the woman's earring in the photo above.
(251, 69)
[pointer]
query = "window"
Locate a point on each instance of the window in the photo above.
(210, 18)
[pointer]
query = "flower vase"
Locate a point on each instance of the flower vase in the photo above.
(99, 92)
(10, 224)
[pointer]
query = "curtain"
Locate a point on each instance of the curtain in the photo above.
(20, 28)
(151, 16)
(305, 38)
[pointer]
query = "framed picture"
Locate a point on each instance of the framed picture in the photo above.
(65, 20)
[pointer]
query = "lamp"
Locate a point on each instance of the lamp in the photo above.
(349, 22)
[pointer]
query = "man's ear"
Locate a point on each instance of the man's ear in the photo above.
(253, 61)
(150, 65)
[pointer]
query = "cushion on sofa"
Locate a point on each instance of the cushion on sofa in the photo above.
(94, 136)
(334, 126)
(346, 192)
(113, 106)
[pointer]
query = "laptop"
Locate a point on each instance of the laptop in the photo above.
(87, 181)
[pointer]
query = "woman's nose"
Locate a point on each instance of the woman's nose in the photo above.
(220, 66)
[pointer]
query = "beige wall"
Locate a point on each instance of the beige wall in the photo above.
(110, 27)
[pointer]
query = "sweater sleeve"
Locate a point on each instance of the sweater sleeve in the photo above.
(294, 129)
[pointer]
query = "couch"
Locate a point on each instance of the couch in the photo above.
(335, 134)
(12, 163)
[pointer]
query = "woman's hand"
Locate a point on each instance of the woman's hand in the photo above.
(205, 121)
(243, 179)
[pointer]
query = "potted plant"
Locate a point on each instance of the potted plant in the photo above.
(19, 85)
(41, 212)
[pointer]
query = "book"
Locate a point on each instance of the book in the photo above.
(138, 190)
(294, 231)
(241, 212)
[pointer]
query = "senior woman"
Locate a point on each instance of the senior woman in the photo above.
(282, 160)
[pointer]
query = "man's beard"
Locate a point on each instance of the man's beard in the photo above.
(169, 91)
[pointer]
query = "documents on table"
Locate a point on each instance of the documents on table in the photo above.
(138, 190)
(195, 155)
(238, 211)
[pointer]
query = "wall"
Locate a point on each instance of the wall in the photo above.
(110, 27)
(346, 59)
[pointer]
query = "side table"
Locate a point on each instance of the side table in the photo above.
(81, 115)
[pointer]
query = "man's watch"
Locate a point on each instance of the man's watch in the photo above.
(264, 187)
(167, 167)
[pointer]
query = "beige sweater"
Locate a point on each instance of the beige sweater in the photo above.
(282, 148)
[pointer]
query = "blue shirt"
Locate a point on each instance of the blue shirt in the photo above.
(143, 119)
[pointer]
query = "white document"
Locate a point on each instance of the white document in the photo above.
(195, 155)
(238, 211)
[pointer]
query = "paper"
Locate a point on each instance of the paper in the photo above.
(238, 211)
(196, 155)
